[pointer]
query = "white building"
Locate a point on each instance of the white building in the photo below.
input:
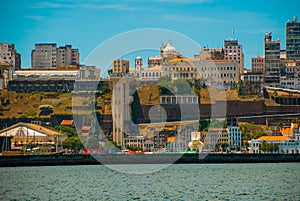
(255, 144)
(8, 54)
(134, 141)
(213, 71)
(169, 51)
(290, 82)
(289, 147)
(42, 74)
(150, 73)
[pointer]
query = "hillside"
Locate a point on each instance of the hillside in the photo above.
(27, 104)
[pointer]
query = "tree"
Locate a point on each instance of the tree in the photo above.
(204, 124)
(272, 147)
(134, 148)
(165, 85)
(66, 130)
(296, 121)
(73, 143)
(224, 145)
(182, 86)
(217, 123)
(264, 146)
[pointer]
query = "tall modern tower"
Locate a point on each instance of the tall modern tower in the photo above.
(272, 61)
(293, 40)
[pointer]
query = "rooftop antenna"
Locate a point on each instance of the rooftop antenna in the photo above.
(233, 32)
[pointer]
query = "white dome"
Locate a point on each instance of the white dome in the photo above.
(138, 57)
(169, 48)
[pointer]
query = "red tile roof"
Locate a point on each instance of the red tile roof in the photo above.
(67, 122)
(286, 131)
(274, 138)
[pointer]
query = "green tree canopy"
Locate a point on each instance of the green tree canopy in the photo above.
(73, 143)
(66, 130)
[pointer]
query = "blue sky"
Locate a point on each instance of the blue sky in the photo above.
(86, 24)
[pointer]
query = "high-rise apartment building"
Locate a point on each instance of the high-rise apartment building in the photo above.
(293, 40)
(9, 55)
(234, 51)
(258, 64)
(48, 56)
(272, 60)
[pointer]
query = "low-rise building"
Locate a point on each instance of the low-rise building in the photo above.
(25, 133)
(135, 141)
(289, 147)
(212, 71)
(252, 83)
(89, 72)
(255, 144)
(150, 73)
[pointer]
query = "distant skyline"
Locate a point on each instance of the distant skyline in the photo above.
(85, 25)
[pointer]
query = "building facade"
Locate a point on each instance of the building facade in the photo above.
(212, 71)
(155, 61)
(234, 137)
(293, 39)
(120, 68)
(258, 64)
(252, 83)
(255, 144)
(272, 61)
(48, 56)
(150, 73)
(135, 141)
(234, 51)
(6, 72)
(8, 54)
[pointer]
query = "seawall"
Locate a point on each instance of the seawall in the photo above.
(52, 160)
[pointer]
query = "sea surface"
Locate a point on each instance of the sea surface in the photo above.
(269, 181)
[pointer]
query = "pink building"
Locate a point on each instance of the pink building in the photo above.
(258, 64)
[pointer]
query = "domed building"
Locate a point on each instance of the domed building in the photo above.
(169, 51)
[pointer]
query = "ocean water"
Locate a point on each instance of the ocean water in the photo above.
(271, 181)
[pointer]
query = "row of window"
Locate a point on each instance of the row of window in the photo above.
(222, 75)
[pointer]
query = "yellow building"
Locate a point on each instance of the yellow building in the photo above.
(120, 67)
